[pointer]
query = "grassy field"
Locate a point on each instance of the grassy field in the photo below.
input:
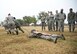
(21, 44)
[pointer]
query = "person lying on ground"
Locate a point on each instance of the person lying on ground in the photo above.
(54, 37)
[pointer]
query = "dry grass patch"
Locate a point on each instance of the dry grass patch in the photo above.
(21, 44)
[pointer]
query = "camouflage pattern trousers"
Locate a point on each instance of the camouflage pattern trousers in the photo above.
(61, 25)
(43, 25)
(71, 24)
(51, 25)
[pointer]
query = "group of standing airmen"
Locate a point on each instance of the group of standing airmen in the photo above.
(58, 20)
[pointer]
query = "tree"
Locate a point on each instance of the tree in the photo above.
(34, 20)
(20, 21)
(29, 19)
(26, 19)
(42, 14)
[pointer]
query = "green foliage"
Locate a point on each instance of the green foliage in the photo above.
(42, 14)
(26, 19)
(33, 19)
(29, 19)
(20, 21)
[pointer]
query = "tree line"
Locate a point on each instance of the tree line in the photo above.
(27, 20)
(31, 19)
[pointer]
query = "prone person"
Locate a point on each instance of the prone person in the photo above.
(54, 37)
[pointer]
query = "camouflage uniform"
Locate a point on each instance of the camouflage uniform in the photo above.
(62, 17)
(54, 37)
(71, 21)
(43, 23)
(47, 18)
(76, 16)
(51, 22)
(18, 26)
(56, 20)
(11, 22)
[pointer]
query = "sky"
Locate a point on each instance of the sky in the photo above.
(21, 8)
